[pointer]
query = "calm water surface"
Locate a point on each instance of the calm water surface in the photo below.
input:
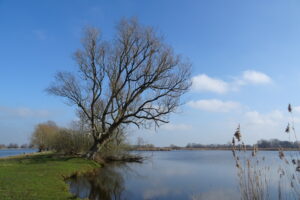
(168, 175)
(14, 152)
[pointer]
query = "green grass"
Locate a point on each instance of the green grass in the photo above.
(39, 176)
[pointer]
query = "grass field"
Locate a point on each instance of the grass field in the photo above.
(39, 176)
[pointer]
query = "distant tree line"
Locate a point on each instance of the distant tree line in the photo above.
(275, 143)
(141, 143)
(197, 145)
(272, 143)
(15, 146)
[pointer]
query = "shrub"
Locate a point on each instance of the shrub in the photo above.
(48, 136)
(71, 142)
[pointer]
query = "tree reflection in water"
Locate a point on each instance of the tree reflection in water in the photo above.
(101, 184)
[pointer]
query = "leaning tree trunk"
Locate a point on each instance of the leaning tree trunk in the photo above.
(95, 147)
(92, 151)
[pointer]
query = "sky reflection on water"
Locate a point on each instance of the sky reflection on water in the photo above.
(168, 175)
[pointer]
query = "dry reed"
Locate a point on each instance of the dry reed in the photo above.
(253, 171)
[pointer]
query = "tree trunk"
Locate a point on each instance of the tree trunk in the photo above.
(93, 150)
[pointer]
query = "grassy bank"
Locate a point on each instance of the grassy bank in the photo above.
(39, 176)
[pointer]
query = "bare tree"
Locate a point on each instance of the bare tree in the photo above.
(134, 79)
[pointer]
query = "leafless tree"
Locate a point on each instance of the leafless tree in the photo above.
(43, 135)
(134, 79)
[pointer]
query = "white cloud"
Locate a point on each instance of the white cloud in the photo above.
(203, 82)
(214, 105)
(176, 127)
(254, 77)
(296, 109)
(271, 118)
(256, 125)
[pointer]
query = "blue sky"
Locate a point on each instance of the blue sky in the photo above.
(245, 56)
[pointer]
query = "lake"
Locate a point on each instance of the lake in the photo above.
(14, 152)
(171, 175)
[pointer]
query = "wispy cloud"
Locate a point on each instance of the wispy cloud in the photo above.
(204, 83)
(256, 118)
(258, 125)
(214, 105)
(23, 112)
(153, 193)
(176, 127)
(296, 109)
(224, 194)
(40, 34)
